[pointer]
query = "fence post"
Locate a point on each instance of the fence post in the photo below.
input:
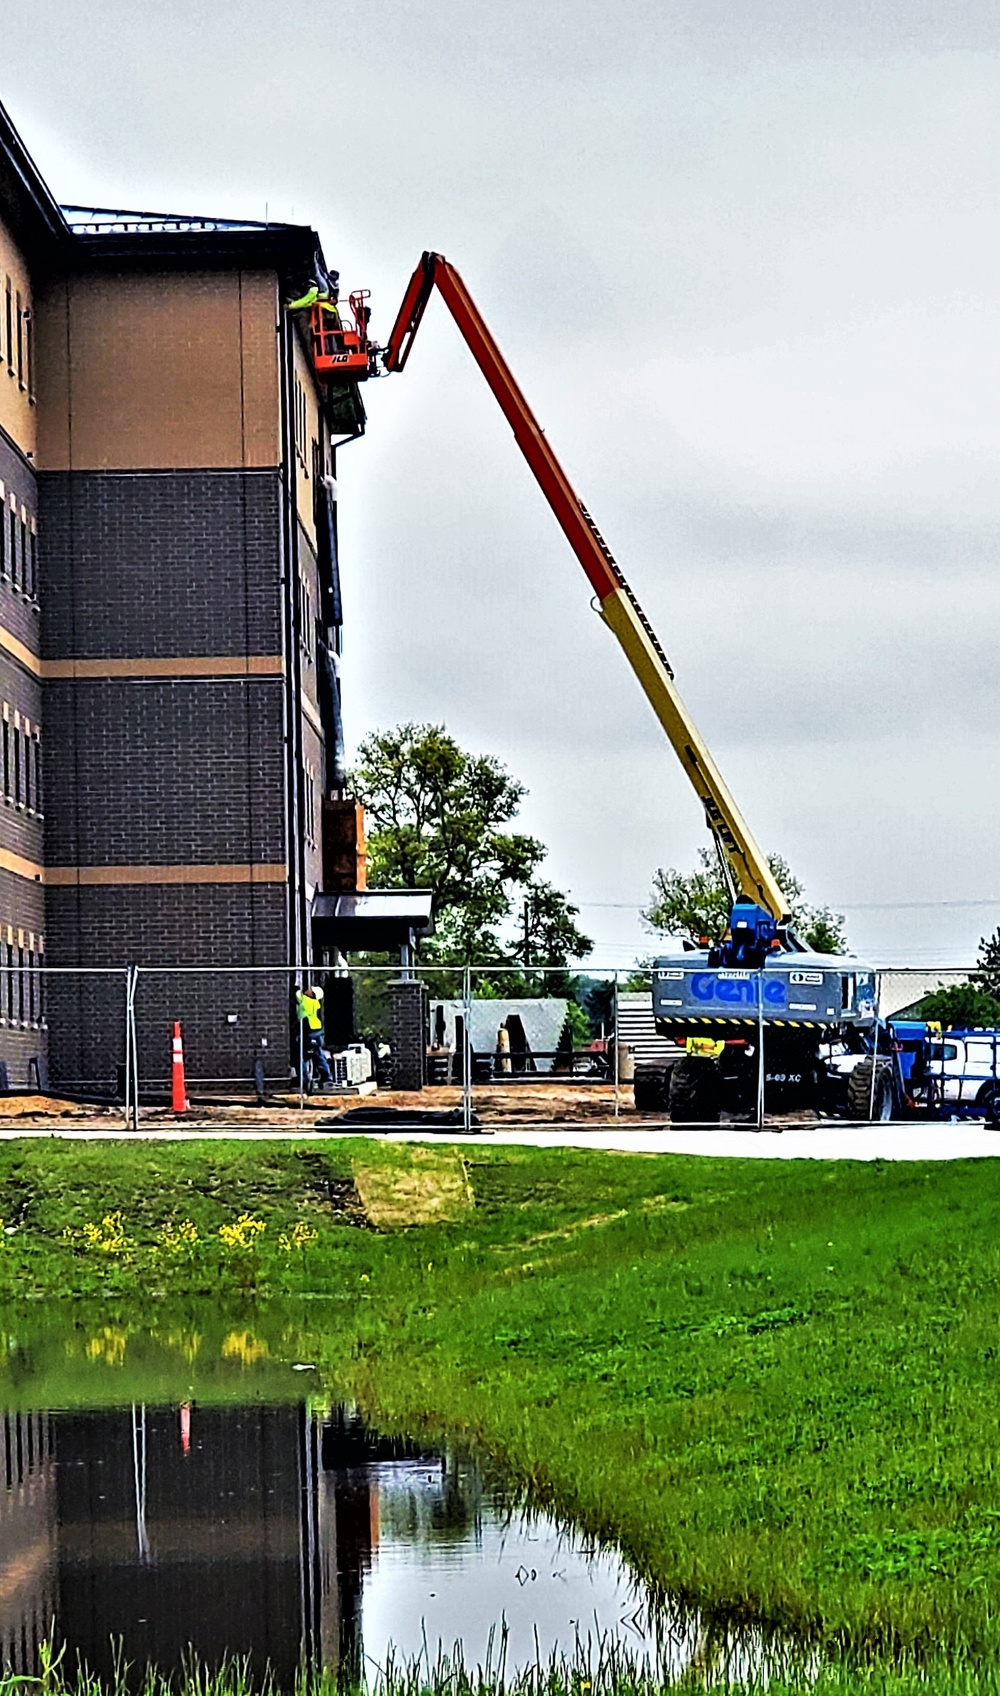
(617, 1091)
(760, 1051)
(467, 1049)
(127, 1091)
(875, 1033)
(300, 1023)
(132, 1046)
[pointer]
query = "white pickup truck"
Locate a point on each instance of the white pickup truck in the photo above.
(963, 1070)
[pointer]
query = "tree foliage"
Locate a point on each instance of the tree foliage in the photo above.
(441, 819)
(697, 904)
(961, 1004)
(987, 974)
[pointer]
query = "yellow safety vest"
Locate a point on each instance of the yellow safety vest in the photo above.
(706, 1047)
(309, 1010)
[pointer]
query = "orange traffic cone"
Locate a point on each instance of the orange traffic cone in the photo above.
(178, 1088)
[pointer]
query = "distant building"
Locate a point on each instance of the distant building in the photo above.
(536, 1030)
(169, 620)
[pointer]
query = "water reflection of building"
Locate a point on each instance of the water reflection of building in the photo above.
(149, 1534)
(27, 1543)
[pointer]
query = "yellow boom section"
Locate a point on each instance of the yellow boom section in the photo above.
(750, 869)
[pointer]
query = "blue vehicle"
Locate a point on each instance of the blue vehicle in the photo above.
(914, 1068)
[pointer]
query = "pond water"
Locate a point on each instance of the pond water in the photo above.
(179, 1491)
(283, 1531)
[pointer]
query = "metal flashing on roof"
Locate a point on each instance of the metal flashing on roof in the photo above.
(107, 220)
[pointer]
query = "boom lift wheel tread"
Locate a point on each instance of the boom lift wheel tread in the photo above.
(862, 1102)
(695, 1091)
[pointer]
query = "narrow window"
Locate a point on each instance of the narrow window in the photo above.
(23, 534)
(32, 997)
(33, 558)
(12, 533)
(27, 766)
(39, 807)
(9, 319)
(17, 764)
(6, 757)
(20, 983)
(29, 353)
(9, 975)
(20, 341)
(4, 561)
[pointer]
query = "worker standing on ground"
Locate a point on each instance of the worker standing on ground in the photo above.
(309, 1006)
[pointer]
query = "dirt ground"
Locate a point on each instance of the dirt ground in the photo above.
(495, 1104)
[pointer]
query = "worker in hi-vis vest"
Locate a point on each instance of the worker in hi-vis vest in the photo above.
(706, 1047)
(309, 1006)
(314, 296)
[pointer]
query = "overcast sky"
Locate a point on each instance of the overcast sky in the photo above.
(745, 260)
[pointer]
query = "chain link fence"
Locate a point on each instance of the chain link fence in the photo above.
(467, 1048)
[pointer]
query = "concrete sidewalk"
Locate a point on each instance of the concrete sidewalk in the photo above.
(938, 1141)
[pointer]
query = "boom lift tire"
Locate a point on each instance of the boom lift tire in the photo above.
(695, 1091)
(863, 1102)
(650, 1089)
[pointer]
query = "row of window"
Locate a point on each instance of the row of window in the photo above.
(22, 983)
(18, 545)
(17, 337)
(22, 762)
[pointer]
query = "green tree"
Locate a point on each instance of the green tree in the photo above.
(961, 1004)
(549, 933)
(987, 975)
(440, 819)
(697, 904)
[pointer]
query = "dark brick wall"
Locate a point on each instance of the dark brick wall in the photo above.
(170, 925)
(21, 829)
(23, 1033)
(149, 771)
(153, 772)
(160, 563)
(408, 1032)
(23, 1036)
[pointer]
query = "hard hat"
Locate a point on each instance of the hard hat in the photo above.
(317, 994)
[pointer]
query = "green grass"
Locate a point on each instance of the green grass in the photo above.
(777, 1385)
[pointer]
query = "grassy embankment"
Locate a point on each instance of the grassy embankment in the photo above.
(776, 1384)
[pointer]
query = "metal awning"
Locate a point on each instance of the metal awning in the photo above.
(372, 919)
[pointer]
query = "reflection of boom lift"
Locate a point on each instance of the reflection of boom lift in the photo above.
(758, 976)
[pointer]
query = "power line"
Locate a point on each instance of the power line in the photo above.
(847, 906)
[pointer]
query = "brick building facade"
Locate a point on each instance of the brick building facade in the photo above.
(167, 628)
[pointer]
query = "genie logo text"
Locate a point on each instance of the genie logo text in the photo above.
(738, 992)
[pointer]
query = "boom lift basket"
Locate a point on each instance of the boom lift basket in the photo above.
(339, 350)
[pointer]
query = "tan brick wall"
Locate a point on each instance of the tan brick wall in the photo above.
(150, 372)
(17, 411)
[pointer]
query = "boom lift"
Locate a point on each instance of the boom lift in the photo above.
(748, 872)
(721, 1000)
